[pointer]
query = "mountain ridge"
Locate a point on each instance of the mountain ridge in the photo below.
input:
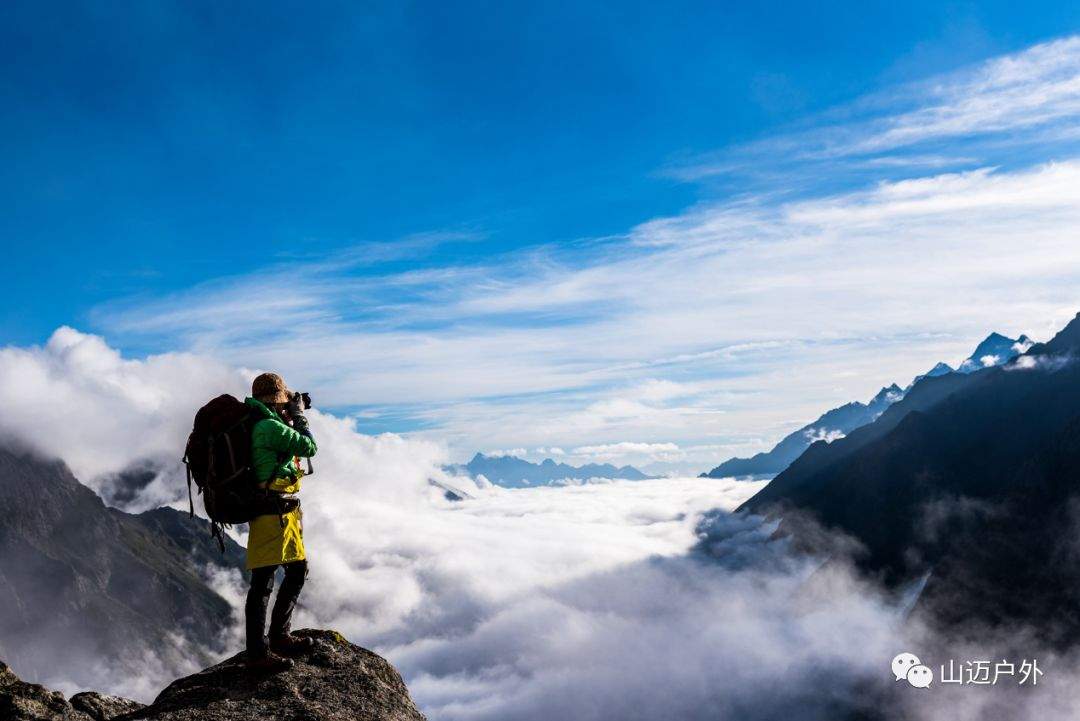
(995, 349)
(514, 472)
(836, 422)
(970, 481)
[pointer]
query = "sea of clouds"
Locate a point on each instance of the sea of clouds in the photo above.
(621, 600)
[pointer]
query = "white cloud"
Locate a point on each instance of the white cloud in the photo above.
(1035, 87)
(823, 434)
(501, 452)
(1021, 347)
(880, 279)
(1048, 363)
(579, 602)
(1026, 99)
(78, 397)
(626, 448)
(919, 201)
(712, 327)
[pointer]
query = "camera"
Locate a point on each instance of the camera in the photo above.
(306, 399)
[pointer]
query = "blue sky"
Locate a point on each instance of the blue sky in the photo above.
(508, 225)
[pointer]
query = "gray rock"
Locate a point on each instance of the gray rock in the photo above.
(101, 707)
(21, 701)
(337, 681)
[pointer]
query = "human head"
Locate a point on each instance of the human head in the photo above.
(270, 388)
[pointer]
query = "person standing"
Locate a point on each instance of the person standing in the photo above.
(280, 437)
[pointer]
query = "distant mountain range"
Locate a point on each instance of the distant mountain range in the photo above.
(513, 472)
(970, 482)
(832, 425)
(82, 583)
(995, 350)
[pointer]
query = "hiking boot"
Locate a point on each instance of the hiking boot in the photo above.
(289, 645)
(269, 663)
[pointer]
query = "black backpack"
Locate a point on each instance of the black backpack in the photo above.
(218, 459)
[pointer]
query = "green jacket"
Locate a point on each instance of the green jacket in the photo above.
(274, 445)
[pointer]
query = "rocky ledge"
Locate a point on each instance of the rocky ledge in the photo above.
(337, 681)
(21, 701)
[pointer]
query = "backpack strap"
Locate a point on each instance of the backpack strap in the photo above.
(217, 530)
(191, 502)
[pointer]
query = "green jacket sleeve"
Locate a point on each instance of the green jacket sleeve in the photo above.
(283, 439)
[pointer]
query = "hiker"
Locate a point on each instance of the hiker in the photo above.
(279, 439)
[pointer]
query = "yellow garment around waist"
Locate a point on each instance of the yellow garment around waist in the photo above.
(270, 544)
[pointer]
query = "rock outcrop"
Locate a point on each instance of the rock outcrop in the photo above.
(337, 681)
(21, 701)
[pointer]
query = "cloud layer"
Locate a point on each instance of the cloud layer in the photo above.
(628, 600)
(77, 398)
(1024, 100)
(720, 328)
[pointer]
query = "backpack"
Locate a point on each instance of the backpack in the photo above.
(218, 460)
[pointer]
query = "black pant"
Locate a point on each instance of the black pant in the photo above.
(262, 585)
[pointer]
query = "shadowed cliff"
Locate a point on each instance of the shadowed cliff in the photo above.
(83, 585)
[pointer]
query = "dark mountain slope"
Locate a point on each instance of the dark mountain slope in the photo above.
(797, 481)
(82, 584)
(973, 479)
(1017, 556)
